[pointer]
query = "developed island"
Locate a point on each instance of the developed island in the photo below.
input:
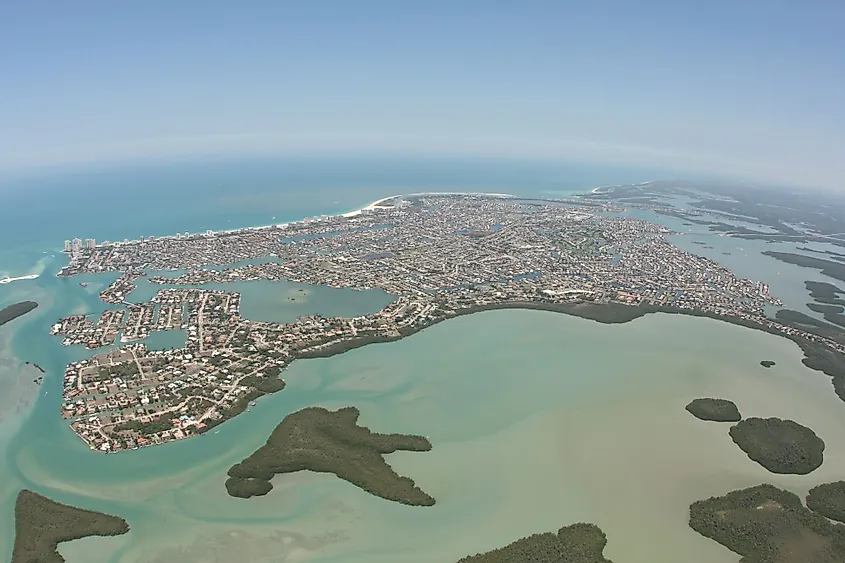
(41, 524)
(781, 446)
(316, 439)
(716, 410)
(765, 524)
(440, 255)
(16, 310)
(578, 543)
(828, 500)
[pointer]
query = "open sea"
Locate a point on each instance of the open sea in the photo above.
(538, 420)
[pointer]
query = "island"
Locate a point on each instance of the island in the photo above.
(781, 446)
(324, 441)
(826, 309)
(824, 292)
(765, 524)
(828, 500)
(439, 255)
(767, 363)
(716, 410)
(41, 524)
(16, 310)
(578, 543)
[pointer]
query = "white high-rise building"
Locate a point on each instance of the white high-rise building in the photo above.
(68, 246)
(90, 244)
(76, 245)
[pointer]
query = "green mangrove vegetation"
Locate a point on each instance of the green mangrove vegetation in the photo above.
(767, 363)
(781, 446)
(826, 309)
(716, 410)
(806, 322)
(316, 439)
(578, 543)
(765, 524)
(828, 500)
(835, 270)
(824, 292)
(16, 310)
(41, 524)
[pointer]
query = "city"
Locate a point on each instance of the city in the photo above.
(439, 255)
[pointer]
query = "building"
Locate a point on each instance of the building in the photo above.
(76, 245)
(68, 246)
(90, 244)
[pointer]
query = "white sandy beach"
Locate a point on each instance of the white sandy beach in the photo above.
(19, 278)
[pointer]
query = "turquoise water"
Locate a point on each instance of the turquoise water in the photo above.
(538, 420)
(283, 301)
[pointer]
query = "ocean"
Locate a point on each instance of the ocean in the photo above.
(538, 420)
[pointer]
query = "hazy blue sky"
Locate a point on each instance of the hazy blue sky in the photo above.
(740, 87)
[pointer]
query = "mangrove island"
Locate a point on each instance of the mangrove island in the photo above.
(316, 439)
(16, 310)
(767, 363)
(41, 524)
(828, 500)
(578, 543)
(765, 524)
(781, 446)
(715, 410)
(824, 292)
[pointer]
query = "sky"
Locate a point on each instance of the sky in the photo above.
(750, 88)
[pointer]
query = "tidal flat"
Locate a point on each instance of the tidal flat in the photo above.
(538, 420)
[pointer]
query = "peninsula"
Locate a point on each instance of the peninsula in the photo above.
(441, 255)
(781, 446)
(316, 439)
(716, 410)
(16, 310)
(578, 543)
(765, 524)
(41, 524)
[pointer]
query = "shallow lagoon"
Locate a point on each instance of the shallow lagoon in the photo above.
(535, 424)
(284, 301)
